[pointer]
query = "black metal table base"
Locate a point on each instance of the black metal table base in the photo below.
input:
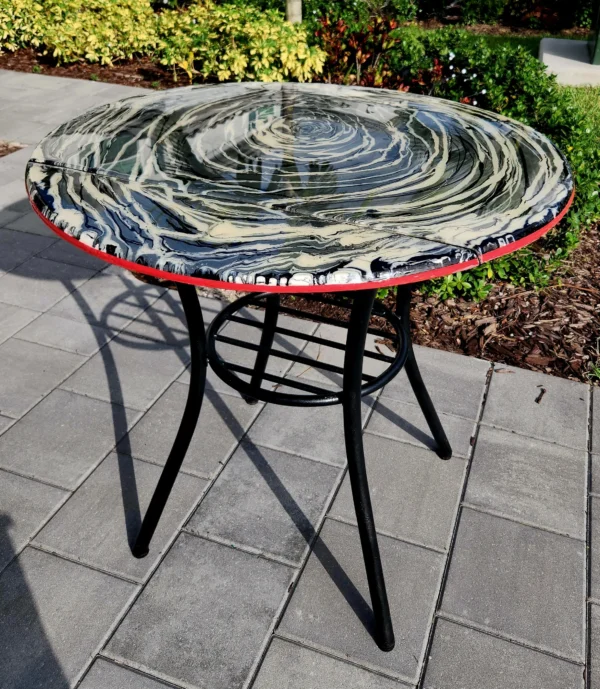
(356, 383)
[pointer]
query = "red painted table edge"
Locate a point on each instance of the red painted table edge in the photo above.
(296, 289)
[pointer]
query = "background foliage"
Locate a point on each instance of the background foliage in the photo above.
(216, 42)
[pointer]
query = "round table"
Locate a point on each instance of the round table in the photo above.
(298, 188)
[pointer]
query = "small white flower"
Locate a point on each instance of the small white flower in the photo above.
(451, 56)
(454, 76)
(588, 130)
(474, 102)
(595, 193)
(483, 92)
(463, 71)
(474, 76)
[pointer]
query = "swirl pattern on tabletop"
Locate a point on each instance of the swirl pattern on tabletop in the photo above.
(297, 184)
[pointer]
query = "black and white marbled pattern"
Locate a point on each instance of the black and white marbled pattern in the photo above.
(296, 184)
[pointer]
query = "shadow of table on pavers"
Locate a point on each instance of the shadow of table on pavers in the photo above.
(31, 661)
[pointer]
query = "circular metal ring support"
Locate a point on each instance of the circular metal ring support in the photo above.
(318, 396)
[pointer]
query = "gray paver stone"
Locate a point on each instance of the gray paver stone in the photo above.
(405, 422)
(267, 500)
(24, 507)
(455, 382)
(13, 318)
(413, 492)
(63, 437)
(30, 222)
(28, 372)
(329, 355)
(288, 666)
(67, 253)
(127, 372)
(331, 606)
(204, 615)
(38, 283)
(100, 521)
(106, 675)
(596, 423)
(53, 615)
(519, 581)
(313, 432)
(462, 658)
(109, 300)
(223, 420)
(530, 480)
(560, 416)
(63, 333)
(594, 669)
(595, 552)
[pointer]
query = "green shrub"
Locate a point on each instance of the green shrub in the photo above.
(236, 42)
(94, 30)
(214, 42)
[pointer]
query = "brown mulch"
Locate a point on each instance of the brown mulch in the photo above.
(555, 330)
(502, 30)
(140, 72)
(7, 147)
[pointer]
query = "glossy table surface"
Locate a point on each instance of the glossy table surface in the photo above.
(297, 187)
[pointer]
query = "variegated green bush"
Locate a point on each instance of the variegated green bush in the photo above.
(227, 42)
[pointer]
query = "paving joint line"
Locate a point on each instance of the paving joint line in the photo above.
(120, 663)
(241, 547)
(340, 656)
(154, 463)
(143, 670)
(34, 478)
(394, 537)
(533, 437)
(437, 604)
(177, 533)
(44, 522)
(517, 641)
(383, 396)
(587, 613)
(415, 443)
(70, 558)
(522, 522)
(320, 522)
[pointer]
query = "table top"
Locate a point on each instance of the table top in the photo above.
(297, 187)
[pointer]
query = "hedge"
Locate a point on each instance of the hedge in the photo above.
(215, 42)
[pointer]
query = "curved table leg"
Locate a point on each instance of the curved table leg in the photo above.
(266, 342)
(195, 323)
(416, 381)
(353, 363)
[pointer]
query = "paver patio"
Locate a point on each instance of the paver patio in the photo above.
(255, 576)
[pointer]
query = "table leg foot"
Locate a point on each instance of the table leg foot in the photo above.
(443, 448)
(353, 362)
(193, 314)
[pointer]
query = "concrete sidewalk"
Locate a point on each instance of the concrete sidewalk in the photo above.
(255, 576)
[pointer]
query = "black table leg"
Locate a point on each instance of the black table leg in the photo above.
(416, 381)
(266, 342)
(193, 315)
(351, 401)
